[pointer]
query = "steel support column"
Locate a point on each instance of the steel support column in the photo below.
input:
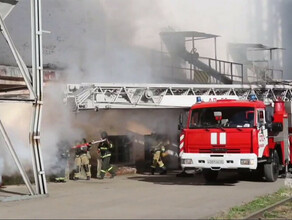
(37, 79)
(34, 83)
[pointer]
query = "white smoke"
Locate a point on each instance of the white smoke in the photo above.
(90, 34)
(16, 121)
(113, 41)
(57, 126)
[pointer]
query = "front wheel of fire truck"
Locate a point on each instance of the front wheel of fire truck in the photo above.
(210, 175)
(271, 170)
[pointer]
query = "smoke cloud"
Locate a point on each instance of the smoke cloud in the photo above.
(59, 133)
(118, 41)
(16, 121)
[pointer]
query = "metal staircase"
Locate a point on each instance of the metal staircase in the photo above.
(219, 71)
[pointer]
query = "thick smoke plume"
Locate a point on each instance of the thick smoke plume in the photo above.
(96, 35)
(16, 121)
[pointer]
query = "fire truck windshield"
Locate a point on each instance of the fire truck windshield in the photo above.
(230, 117)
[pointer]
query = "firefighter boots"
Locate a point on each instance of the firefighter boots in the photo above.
(163, 171)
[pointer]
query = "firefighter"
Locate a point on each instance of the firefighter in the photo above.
(82, 157)
(63, 165)
(158, 151)
(105, 148)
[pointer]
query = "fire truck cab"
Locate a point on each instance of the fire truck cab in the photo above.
(235, 134)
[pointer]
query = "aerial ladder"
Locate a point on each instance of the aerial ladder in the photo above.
(102, 96)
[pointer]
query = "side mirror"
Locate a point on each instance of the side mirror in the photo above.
(261, 117)
(180, 122)
(180, 119)
(277, 127)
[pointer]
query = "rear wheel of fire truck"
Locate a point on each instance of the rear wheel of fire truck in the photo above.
(210, 175)
(271, 170)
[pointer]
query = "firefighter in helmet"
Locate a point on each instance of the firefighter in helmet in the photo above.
(105, 148)
(82, 157)
(62, 166)
(158, 151)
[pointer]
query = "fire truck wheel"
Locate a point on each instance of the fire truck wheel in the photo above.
(210, 175)
(271, 170)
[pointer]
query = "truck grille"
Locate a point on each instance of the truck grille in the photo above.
(219, 150)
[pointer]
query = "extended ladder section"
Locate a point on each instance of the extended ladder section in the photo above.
(93, 96)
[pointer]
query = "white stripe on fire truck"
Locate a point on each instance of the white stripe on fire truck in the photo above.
(213, 138)
(181, 137)
(222, 138)
(181, 145)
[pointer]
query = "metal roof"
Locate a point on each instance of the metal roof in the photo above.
(250, 46)
(194, 34)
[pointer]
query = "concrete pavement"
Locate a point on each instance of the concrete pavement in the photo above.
(138, 196)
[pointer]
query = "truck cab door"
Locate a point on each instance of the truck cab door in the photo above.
(183, 120)
(262, 131)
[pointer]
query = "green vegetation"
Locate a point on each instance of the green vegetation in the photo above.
(242, 211)
(282, 212)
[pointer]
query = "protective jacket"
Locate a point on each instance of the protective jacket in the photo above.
(82, 149)
(105, 149)
(158, 152)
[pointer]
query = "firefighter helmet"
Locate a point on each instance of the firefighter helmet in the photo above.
(103, 135)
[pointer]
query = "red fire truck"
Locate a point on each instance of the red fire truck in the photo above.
(235, 134)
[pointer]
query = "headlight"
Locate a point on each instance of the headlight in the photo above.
(246, 161)
(187, 161)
